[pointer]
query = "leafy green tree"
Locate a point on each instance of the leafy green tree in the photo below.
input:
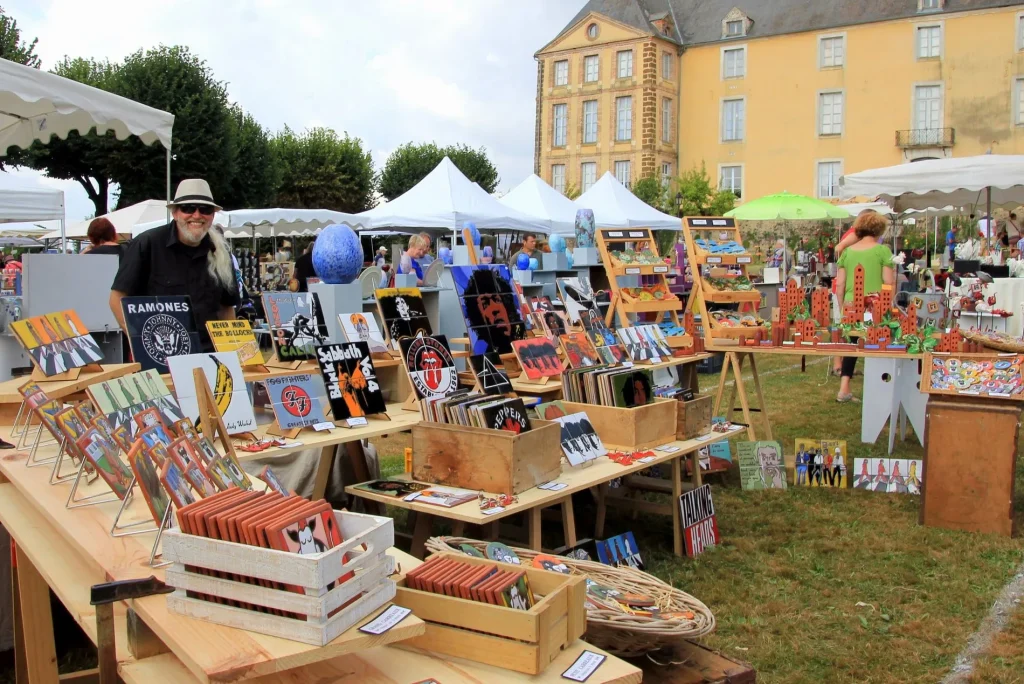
(174, 80)
(572, 191)
(257, 173)
(12, 47)
(699, 196)
(650, 190)
(410, 163)
(320, 170)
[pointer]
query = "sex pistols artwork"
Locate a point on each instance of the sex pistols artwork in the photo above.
(490, 307)
(538, 358)
(298, 400)
(236, 336)
(350, 379)
(297, 324)
(403, 313)
(430, 365)
(159, 328)
(57, 342)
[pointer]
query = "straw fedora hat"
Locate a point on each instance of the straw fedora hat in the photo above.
(194, 191)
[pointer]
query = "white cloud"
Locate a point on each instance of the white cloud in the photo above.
(388, 72)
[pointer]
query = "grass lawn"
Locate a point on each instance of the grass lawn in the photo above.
(793, 566)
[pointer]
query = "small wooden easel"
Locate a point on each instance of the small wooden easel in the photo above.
(72, 374)
(209, 417)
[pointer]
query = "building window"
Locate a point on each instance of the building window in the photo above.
(588, 175)
(666, 120)
(1020, 32)
(561, 117)
(624, 118)
(562, 72)
(666, 174)
(831, 52)
(666, 65)
(927, 114)
(734, 28)
(828, 179)
(1018, 99)
(558, 177)
(622, 172)
(625, 61)
(590, 68)
(929, 42)
(733, 115)
(590, 121)
(830, 114)
(734, 62)
(732, 180)
(592, 31)
(929, 5)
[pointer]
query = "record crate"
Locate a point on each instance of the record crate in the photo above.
(495, 461)
(521, 640)
(258, 589)
(639, 427)
(694, 417)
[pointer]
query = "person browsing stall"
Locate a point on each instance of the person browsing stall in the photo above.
(529, 248)
(418, 246)
(102, 238)
(303, 270)
(183, 257)
(876, 259)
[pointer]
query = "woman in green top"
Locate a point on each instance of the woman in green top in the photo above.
(877, 262)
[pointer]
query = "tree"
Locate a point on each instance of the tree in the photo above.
(174, 80)
(572, 191)
(700, 197)
(257, 173)
(320, 170)
(650, 190)
(81, 158)
(12, 47)
(410, 163)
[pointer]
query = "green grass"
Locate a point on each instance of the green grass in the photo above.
(785, 583)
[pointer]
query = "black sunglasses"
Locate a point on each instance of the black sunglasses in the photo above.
(204, 209)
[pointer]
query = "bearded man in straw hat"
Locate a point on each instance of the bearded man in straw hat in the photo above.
(184, 257)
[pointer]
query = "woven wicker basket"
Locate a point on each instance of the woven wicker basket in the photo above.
(993, 339)
(621, 634)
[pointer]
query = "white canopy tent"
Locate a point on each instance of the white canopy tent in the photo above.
(988, 179)
(248, 223)
(536, 198)
(614, 206)
(856, 207)
(36, 105)
(22, 200)
(124, 220)
(445, 199)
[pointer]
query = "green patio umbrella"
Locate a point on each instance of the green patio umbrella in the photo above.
(787, 206)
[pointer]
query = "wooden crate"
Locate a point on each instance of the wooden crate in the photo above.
(226, 562)
(524, 641)
(640, 427)
(694, 418)
(495, 461)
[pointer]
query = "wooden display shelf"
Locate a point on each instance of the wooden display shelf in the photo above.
(10, 398)
(642, 239)
(620, 269)
(523, 641)
(703, 257)
(714, 296)
(650, 306)
(640, 427)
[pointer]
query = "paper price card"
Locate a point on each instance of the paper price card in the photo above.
(386, 620)
(584, 667)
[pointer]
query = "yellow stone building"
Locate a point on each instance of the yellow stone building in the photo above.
(776, 95)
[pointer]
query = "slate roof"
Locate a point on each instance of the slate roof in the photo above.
(700, 21)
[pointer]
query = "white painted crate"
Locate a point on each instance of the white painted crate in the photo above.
(190, 555)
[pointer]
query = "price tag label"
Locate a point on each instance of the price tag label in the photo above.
(704, 438)
(357, 422)
(868, 317)
(720, 222)
(661, 269)
(585, 666)
(668, 448)
(615, 233)
(321, 427)
(742, 260)
(655, 359)
(637, 233)
(714, 260)
(493, 511)
(645, 459)
(632, 271)
(627, 364)
(291, 445)
(386, 620)
(698, 222)
(412, 497)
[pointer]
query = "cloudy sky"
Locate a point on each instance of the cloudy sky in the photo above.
(386, 71)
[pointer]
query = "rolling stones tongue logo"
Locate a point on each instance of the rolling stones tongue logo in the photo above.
(431, 367)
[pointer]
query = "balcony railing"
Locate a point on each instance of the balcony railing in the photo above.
(926, 137)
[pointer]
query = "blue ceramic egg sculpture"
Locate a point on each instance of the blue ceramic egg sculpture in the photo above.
(534, 264)
(337, 255)
(523, 262)
(557, 243)
(445, 255)
(474, 234)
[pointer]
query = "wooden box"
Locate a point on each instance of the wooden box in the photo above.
(524, 641)
(640, 427)
(694, 418)
(226, 563)
(496, 461)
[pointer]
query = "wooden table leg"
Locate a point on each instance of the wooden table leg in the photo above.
(744, 404)
(568, 522)
(760, 398)
(36, 654)
(323, 472)
(677, 491)
(420, 534)
(106, 651)
(726, 368)
(491, 530)
(602, 510)
(698, 478)
(534, 522)
(458, 529)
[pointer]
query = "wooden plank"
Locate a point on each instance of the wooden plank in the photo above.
(39, 650)
(820, 351)
(640, 427)
(700, 665)
(59, 389)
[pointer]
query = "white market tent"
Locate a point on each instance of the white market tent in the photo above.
(614, 206)
(22, 199)
(446, 200)
(124, 220)
(37, 105)
(935, 183)
(536, 198)
(856, 207)
(247, 223)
